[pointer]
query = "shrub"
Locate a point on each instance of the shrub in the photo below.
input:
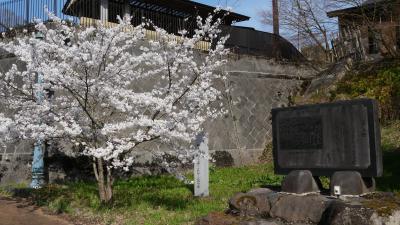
(383, 86)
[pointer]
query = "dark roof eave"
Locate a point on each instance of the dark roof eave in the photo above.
(237, 16)
(65, 7)
(194, 5)
(356, 9)
(340, 12)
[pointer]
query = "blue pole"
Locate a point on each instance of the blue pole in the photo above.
(38, 150)
(37, 165)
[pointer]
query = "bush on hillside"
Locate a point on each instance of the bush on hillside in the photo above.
(382, 85)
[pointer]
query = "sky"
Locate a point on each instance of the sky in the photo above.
(249, 8)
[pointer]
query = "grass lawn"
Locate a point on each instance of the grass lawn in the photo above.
(152, 200)
(390, 181)
(164, 200)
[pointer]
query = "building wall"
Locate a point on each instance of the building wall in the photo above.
(257, 86)
(385, 28)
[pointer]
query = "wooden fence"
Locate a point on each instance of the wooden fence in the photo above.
(348, 44)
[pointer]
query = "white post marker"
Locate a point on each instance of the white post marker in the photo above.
(201, 174)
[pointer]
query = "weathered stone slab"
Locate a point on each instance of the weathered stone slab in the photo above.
(293, 208)
(325, 138)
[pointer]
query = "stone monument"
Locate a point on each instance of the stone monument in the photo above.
(340, 140)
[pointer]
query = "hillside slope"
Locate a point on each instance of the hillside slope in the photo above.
(378, 80)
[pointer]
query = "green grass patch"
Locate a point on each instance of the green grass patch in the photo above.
(153, 200)
(390, 181)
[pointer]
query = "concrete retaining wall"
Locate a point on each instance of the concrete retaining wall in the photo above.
(257, 85)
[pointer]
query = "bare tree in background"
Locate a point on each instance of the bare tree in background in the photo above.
(304, 22)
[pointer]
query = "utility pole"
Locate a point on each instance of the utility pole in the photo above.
(275, 15)
(275, 23)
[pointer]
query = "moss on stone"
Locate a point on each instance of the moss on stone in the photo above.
(383, 203)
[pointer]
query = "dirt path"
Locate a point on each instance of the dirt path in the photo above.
(20, 213)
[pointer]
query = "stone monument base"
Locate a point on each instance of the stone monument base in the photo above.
(300, 182)
(342, 183)
(266, 207)
(351, 183)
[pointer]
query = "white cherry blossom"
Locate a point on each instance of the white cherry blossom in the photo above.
(109, 90)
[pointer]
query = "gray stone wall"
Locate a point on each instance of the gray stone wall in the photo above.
(256, 86)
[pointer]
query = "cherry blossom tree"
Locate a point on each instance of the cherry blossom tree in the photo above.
(80, 86)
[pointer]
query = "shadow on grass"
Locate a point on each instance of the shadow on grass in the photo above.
(165, 191)
(156, 191)
(390, 181)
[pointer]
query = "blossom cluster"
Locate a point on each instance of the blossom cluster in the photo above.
(110, 90)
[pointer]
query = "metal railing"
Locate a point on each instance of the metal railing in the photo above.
(21, 13)
(150, 34)
(16, 14)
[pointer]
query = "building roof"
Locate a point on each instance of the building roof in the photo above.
(356, 9)
(180, 8)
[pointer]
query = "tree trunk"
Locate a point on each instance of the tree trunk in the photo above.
(104, 181)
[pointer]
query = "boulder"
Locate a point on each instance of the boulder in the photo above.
(261, 222)
(266, 207)
(339, 213)
(386, 206)
(217, 218)
(299, 182)
(293, 208)
(252, 203)
(393, 219)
